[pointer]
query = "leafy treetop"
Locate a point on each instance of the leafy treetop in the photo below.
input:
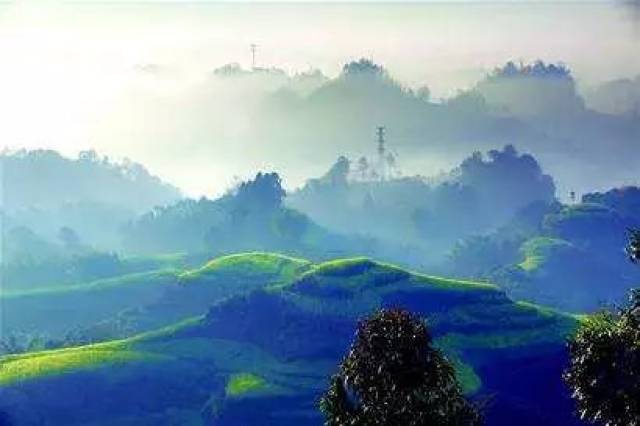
(604, 370)
(537, 69)
(363, 67)
(394, 376)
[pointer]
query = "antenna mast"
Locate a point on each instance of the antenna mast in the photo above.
(253, 47)
(380, 132)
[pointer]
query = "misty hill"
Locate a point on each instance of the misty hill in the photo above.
(534, 106)
(44, 179)
(297, 123)
(619, 97)
(250, 217)
(271, 79)
(431, 215)
(570, 134)
(44, 192)
(624, 200)
(263, 358)
(30, 261)
(571, 257)
(531, 90)
(345, 109)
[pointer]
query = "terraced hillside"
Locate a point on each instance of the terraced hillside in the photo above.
(263, 357)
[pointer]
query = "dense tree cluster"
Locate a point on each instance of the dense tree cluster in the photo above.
(363, 67)
(251, 217)
(394, 376)
(263, 192)
(506, 180)
(248, 213)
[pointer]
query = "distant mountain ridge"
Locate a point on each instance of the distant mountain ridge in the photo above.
(45, 179)
(90, 197)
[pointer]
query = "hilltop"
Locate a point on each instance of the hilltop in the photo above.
(90, 195)
(262, 356)
(136, 302)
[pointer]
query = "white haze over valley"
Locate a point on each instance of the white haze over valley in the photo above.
(136, 80)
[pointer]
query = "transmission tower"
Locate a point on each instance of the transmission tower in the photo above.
(253, 47)
(380, 132)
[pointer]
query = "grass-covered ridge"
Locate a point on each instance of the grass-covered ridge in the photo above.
(361, 273)
(538, 250)
(252, 263)
(343, 267)
(268, 351)
(31, 366)
(454, 284)
(162, 276)
(83, 305)
(244, 383)
(17, 368)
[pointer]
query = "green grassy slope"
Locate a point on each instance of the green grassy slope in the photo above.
(264, 357)
(277, 267)
(54, 311)
(564, 274)
(537, 252)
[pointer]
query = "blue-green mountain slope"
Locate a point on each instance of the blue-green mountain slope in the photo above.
(263, 357)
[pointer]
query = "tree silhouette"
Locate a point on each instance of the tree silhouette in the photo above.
(604, 370)
(264, 192)
(393, 376)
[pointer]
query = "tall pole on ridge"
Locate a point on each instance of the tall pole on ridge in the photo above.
(380, 132)
(253, 55)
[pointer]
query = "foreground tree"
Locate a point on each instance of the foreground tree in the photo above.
(604, 370)
(394, 376)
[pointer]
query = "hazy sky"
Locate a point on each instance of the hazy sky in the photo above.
(71, 75)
